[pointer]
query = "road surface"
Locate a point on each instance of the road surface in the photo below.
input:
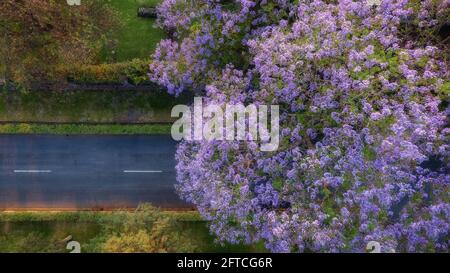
(87, 172)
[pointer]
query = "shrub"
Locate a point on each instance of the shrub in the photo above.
(146, 230)
(134, 72)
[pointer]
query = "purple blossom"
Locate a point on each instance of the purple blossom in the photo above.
(365, 152)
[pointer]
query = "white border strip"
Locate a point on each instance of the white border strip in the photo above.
(32, 171)
(138, 171)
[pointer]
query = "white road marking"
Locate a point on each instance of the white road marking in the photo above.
(137, 171)
(32, 171)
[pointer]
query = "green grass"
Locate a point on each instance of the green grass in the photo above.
(137, 37)
(85, 129)
(88, 106)
(43, 231)
(84, 216)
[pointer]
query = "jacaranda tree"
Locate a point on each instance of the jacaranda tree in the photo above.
(363, 91)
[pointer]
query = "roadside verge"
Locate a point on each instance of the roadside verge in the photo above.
(85, 129)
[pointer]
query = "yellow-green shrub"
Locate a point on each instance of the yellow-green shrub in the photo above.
(134, 71)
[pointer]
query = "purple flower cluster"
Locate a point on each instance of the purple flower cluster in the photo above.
(364, 149)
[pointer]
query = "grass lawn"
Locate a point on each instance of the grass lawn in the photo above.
(43, 231)
(87, 106)
(85, 129)
(137, 37)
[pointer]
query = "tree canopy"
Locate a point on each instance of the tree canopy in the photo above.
(364, 151)
(40, 38)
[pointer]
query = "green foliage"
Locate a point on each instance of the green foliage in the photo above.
(134, 71)
(40, 49)
(369, 153)
(32, 242)
(44, 231)
(444, 91)
(75, 129)
(140, 242)
(41, 37)
(86, 216)
(147, 230)
(436, 34)
(88, 106)
(278, 184)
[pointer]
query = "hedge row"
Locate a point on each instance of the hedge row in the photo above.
(134, 72)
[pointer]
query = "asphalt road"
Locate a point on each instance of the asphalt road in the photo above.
(87, 172)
